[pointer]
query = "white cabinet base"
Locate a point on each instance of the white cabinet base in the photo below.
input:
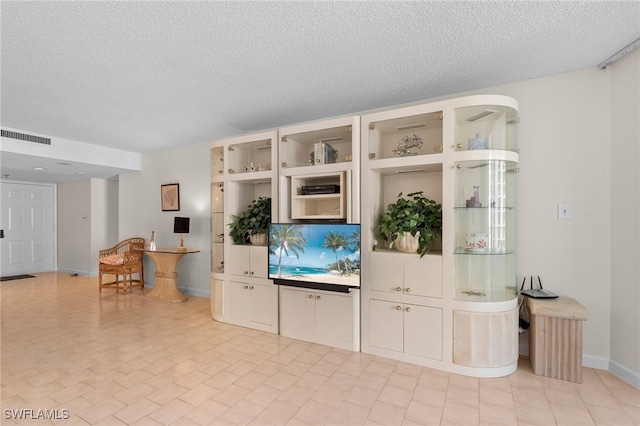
(323, 317)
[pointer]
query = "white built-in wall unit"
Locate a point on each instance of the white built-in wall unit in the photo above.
(455, 308)
(243, 169)
(320, 153)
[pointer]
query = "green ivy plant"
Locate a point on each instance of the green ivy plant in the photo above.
(254, 220)
(412, 214)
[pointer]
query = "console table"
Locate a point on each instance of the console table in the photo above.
(166, 261)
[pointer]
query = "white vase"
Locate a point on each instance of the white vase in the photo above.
(407, 243)
(258, 239)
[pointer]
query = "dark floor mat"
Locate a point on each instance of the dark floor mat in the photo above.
(16, 277)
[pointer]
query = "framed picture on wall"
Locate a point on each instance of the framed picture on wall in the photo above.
(170, 197)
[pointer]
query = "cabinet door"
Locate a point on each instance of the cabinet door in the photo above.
(237, 301)
(238, 260)
(258, 262)
(386, 272)
(385, 325)
(248, 261)
(297, 311)
(334, 317)
(261, 303)
(423, 331)
(423, 276)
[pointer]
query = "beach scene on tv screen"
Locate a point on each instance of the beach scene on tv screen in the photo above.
(324, 253)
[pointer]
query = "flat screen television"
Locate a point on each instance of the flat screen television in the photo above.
(322, 256)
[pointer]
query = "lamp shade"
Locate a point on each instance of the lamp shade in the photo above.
(181, 225)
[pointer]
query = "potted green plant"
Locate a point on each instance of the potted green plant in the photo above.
(252, 225)
(414, 217)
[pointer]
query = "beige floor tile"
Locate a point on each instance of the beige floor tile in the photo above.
(296, 395)
(264, 395)
(171, 412)
(371, 381)
(136, 411)
(206, 412)
(329, 395)
(231, 395)
(103, 409)
(313, 413)
(117, 359)
(348, 413)
(277, 413)
(422, 414)
(362, 396)
(311, 380)
(386, 414)
(460, 414)
(396, 396)
(167, 394)
(242, 413)
(198, 394)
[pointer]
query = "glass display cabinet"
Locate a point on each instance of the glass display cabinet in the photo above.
(485, 218)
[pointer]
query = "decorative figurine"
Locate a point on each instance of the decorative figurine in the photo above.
(407, 142)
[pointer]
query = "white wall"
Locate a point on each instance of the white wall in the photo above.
(565, 158)
(74, 227)
(141, 211)
(85, 223)
(625, 217)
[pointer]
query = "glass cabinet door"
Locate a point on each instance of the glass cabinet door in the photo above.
(217, 227)
(217, 162)
(249, 157)
(486, 127)
(485, 243)
(316, 147)
(406, 136)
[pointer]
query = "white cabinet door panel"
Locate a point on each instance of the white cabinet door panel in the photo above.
(261, 297)
(423, 276)
(334, 317)
(423, 331)
(385, 325)
(237, 301)
(297, 311)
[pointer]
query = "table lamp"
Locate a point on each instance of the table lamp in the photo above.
(181, 226)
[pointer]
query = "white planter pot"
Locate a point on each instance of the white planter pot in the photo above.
(258, 239)
(407, 243)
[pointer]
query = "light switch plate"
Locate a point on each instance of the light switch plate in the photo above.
(564, 211)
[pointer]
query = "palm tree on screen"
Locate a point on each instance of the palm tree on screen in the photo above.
(334, 241)
(286, 238)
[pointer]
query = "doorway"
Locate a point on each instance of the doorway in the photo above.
(27, 235)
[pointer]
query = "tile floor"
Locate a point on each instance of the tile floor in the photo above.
(107, 359)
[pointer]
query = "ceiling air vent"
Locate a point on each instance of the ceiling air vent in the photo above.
(25, 137)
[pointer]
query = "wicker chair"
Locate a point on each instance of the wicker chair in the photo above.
(122, 261)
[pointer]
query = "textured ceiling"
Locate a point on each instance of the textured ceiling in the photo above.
(143, 76)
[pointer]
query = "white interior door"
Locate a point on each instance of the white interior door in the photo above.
(27, 221)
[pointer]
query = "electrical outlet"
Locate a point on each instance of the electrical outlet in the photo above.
(564, 211)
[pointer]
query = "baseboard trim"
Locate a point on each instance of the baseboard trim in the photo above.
(625, 373)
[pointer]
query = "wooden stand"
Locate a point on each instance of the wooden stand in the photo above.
(166, 261)
(555, 338)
